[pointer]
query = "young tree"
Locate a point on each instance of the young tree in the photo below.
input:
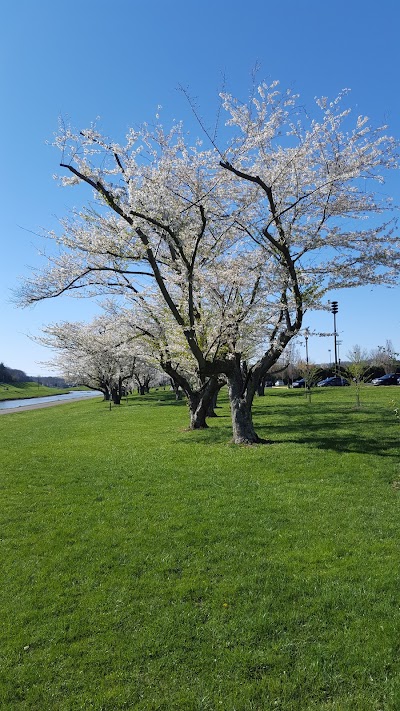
(385, 357)
(286, 198)
(311, 374)
(358, 367)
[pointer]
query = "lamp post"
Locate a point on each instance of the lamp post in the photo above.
(307, 383)
(334, 310)
(306, 337)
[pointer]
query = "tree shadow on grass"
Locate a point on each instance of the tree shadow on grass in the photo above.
(316, 438)
(342, 432)
(157, 399)
(339, 427)
(327, 439)
(344, 429)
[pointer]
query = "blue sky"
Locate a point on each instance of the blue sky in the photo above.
(118, 61)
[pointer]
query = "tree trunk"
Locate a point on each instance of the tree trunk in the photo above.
(105, 389)
(116, 394)
(202, 402)
(199, 401)
(212, 405)
(242, 421)
(198, 407)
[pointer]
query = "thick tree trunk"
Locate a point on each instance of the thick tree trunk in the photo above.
(242, 421)
(202, 402)
(198, 411)
(199, 401)
(116, 392)
(116, 396)
(213, 404)
(211, 407)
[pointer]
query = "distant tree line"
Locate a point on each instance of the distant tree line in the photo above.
(10, 376)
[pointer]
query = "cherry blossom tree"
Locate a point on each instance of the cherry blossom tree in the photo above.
(97, 355)
(255, 229)
(148, 324)
(165, 346)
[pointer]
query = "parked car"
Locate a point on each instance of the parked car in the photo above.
(335, 380)
(299, 383)
(389, 379)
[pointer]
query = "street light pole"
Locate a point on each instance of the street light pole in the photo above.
(307, 383)
(306, 335)
(334, 310)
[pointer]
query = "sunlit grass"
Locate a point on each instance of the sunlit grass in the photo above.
(148, 567)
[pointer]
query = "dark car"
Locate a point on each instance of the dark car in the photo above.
(389, 379)
(334, 381)
(300, 383)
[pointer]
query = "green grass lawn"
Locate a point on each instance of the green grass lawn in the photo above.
(29, 390)
(148, 567)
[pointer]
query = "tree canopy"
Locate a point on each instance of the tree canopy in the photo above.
(233, 241)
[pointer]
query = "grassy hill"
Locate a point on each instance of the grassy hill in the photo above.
(28, 390)
(147, 567)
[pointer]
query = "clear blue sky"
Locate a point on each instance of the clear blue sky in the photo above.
(119, 61)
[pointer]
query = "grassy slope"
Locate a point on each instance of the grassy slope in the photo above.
(147, 567)
(29, 390)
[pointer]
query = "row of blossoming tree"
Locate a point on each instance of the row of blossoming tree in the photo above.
(101, 356)
(214, 254)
